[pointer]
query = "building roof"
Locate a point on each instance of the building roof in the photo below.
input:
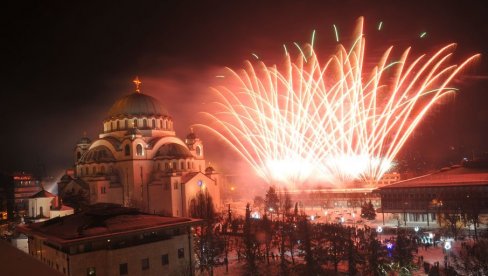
(457, 175)
(173, 150)
(42, 193)
(101, 220)
(136, 104)
(16, 262)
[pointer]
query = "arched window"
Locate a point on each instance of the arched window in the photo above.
(124, 124)
(199, 151)
(182, 165)
(113, 125)
(166, 166)
(188, 165)
(135, 122)
(165, 125)
(139, 150)
(78, 156)
(118, 124)
(127, 150)
(161, 124)
(144, 123)
(153, 123)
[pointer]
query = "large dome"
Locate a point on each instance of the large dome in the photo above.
(137, 104)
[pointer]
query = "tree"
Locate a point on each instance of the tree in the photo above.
(367, 211)
(271, 201)
(250, 243)
(473, 259)
(209, 245)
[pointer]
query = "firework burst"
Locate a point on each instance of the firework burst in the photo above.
(334, 121)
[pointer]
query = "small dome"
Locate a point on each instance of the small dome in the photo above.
(84, 140)
(136, 104)
(209, 170)
(191, 136)
(98, 154)
(172, 150)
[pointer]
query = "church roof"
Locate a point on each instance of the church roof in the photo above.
(173, 150)
(98, 154)
(42, 193)
(136, 104)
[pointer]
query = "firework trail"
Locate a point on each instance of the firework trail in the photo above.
(330, 121)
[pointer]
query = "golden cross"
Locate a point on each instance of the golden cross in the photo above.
(137, 82)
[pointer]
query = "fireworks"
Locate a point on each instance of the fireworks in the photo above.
(334, 121)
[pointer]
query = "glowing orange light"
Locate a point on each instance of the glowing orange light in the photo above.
(334, 121)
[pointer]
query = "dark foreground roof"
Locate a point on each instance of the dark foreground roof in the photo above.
(458, 175)
(101, 220)
(16, 262)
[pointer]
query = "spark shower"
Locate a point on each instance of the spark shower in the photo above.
(334, 121)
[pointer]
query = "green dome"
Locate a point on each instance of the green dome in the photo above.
(137, 104)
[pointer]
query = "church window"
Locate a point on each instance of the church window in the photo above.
(78, 156)
(144, 123)
(127, 150)
(175, 186)
(198, 151)
(160, 124)
(188, 165)
(124, 124)
(135, 122)
(182, 165)
(165, 124)
(118, 125)
(139, 150)
(86, 170)
(159, 166)
(167, 166)
(113, 125)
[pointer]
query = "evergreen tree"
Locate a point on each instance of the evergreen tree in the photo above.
(271, 201)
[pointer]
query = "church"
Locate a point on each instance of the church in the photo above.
(138, 161)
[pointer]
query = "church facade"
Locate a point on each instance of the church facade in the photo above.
(138, 161)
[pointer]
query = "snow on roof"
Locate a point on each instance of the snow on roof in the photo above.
(450, 176)
(101, 220)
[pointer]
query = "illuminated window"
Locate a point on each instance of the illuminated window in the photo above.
(127, 150)
(139, 150)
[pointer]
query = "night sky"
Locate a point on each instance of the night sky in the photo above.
(66, 62)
